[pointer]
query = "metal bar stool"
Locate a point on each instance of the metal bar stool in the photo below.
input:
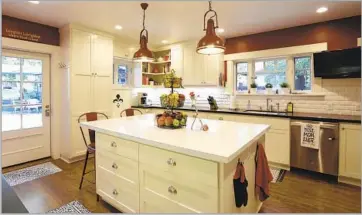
(130, 112)
(91, 148)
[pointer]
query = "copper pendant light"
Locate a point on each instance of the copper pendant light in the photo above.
(210, 43)
(143, 54)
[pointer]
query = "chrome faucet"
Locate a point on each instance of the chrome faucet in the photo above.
(267, 104)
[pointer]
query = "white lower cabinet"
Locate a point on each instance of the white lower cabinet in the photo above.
(137, 178)
(350, 153)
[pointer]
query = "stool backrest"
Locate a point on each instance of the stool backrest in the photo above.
(90, 116)
(130, 112)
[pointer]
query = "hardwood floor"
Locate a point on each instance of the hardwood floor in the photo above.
(300, 192)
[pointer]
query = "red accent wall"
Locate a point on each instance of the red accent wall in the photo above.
(339, 34)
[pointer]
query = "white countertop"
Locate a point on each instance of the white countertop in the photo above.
(221, 143)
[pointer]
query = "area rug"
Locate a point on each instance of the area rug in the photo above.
(278, 174)
(73, 207)
(30, 173)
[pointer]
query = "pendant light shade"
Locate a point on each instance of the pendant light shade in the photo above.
(143, 54)
(210, 43)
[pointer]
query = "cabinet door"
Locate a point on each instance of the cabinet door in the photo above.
(193, 73)
(102, 97)
(212, 69)
(177, 60)
(81, 99)
(350, 151)
(80, 52)
(277, 147)
(102, 55)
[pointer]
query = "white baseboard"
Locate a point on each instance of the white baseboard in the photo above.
(350, 181)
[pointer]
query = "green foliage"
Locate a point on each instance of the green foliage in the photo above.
(253, 85)
(284, 85)
(268, 85)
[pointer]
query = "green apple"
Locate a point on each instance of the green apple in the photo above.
(176, 123)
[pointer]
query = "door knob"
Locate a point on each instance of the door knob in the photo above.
(331, 138)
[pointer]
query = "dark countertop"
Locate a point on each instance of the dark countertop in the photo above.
(295, 116)
(10, 201)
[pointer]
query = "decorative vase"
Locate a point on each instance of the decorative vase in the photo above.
(252, 90)
(285, 90)
(269, 91)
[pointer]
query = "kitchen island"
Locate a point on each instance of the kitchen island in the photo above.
(141, 168)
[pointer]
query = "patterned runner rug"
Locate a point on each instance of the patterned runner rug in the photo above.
(278, 174)
(30, 173)
(73, 207)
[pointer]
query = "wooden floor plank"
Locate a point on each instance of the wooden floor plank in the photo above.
(299, 192)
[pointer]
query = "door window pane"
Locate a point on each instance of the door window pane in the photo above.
(241, 77)
(11, 118)
(271, 71)
(10, 68)
(21, 93)
(302, 73)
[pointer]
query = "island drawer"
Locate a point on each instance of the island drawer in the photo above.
(118, 191)
(194, 197)
(117, 145)
(182, 166)
(118, 165)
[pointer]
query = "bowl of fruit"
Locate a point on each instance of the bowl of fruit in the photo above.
(171, 120)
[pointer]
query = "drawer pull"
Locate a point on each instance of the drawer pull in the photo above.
(113, 144)
(114, 166)
(172, 190)
(115, 192)
(171, 162)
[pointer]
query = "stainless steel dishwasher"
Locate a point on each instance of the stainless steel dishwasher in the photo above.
(324, 159)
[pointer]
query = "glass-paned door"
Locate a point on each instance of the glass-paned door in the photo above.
(25, 105)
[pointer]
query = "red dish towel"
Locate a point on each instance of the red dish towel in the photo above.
(263, 175)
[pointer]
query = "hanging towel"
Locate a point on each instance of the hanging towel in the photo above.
(263, 175)
(310, 135)
(240, 186)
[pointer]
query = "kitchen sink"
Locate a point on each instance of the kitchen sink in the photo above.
(266, 112)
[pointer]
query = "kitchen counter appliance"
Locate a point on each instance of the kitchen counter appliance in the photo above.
(142, 99)
(324, 159)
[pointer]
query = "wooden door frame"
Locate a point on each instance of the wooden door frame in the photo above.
(55, 86)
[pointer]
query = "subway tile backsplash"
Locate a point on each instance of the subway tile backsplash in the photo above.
(341, 96)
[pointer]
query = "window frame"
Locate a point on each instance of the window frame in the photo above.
(290, 70)
(273, 59)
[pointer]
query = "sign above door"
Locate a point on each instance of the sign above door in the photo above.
(30, 31)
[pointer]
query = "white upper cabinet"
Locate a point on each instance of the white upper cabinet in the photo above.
(102, 55)
(81, 52)
(200, 70)
(177, 59)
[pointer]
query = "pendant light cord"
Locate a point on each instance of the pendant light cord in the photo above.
(215, 15)
(144, 17)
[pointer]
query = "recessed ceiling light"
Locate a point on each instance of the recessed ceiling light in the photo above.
(220, 30)
(118, 27)
(322, 9)
(164, 41)
(34, 2)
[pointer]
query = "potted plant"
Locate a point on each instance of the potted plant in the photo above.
(285, 87)
(253, 87)
(269, 88)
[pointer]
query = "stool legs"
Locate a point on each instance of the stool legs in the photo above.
(85, 166)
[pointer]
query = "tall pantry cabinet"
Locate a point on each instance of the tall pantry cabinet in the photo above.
(87, 82)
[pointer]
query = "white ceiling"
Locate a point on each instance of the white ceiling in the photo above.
(177, 21)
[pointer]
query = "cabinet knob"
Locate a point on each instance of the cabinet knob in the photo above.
(113, 144)
(331, 138)
(221, 118)
(171, 162)
(114, 166)
(115, 192)
(172, 190)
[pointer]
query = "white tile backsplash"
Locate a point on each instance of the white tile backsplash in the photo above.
(342, 96)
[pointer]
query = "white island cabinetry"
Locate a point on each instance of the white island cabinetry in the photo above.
(145, 169)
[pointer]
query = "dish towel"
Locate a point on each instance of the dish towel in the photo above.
(263, 175)
(240, 186)
(310, 135)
